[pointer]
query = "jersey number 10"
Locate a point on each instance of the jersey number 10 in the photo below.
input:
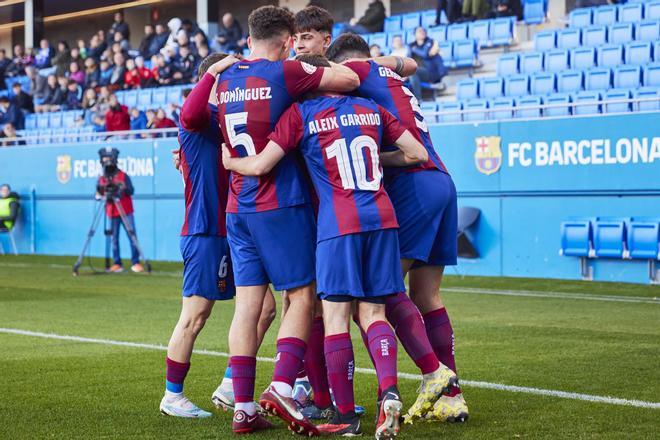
(339, 151)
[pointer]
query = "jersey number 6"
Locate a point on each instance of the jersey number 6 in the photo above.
(340, 152)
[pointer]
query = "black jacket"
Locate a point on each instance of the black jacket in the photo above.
(374, 17)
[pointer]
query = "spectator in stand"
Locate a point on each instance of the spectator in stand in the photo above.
(89, 99)
(475, 9)
(452, 8)
(398, 48)
(22, 99)
(95, 115)
(194, 32)
(118, 71)
(4, 65)
(138, 119)
(230, 36)
(162, 121)
(159, 40)
(117, 117)
(430, 67)
(95, 49)
(105, 73)
(38, 84)
(21, 60)
(132, 76)
(151, 119)
(49, 94)
(375, 51)
(9, 132)
(183, 40)
(165, 72)
(92, 73)
(202, 52)
(148, 38)
(76, 74)
(10, 113)
(154, 67)
(77, 58)
(119, 26)
(82, 49)
(171, 45)
(146, 77)
(185, 64)
(372, 20)
(120, 42)
(62, 59)
(505, 8)
(73, 98)
(44, 55)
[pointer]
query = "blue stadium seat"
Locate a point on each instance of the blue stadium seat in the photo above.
(610, 55)
(542, 83)
(586, 103)
(531, 62)
(656, 51)
(629, 77)
(475, 104)
(86, 133)
(652, 75)
(410, 37)
(43, 120)
(534, 11)
(392, 23)
(428, 18)
(569, 81)
(568, 38)
(580, 17)
(620, 33)
(516, 85)
(616, 95)
(69, 118)
(644, 239)
(507, 64)
(144, 99)
(652, 10)
(429, 107)
(379, 38)
(457, 31)
(576, 238)
(438, 33)
(598, 78)
(479, 30)
(583, 58)
(174, 94)
(506, 104)
(594, 36)
(44, 136)
(55, 120)
(605, 15)
(467, 89)
(648, 30)
(446, 51)
(465, 53)
(545, 40)
(556, 60)
(130, 98)
(561, 100)
(501, 31)
(631, 13)
(609, 238)
(652, 93)
(392, 35)
(638, 52)
(449, 111)
(491, 87)
(59, 135)
(528, 101)
(31, 122)
(411, 20)
(336, 29)
(159, 97)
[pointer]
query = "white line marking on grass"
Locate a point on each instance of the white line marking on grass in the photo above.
(470, 383)
(554, 295)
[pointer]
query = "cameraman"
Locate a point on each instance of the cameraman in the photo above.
(117, 188)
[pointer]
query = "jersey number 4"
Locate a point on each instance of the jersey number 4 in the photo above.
(239, 139)
(340, 152)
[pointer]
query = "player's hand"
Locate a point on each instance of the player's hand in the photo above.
(176, 159)
(222, 65)
(226, 157)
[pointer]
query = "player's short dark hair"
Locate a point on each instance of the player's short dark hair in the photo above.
(314, 18)
(267, 22)
(208, 62)
(186, 92)
(4, 99)
(314, 60)
(347, 46)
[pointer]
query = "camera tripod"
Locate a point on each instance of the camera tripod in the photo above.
(108, 234)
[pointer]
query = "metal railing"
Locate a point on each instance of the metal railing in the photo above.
(91, 137)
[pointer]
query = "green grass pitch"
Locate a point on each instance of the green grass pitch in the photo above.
(578, 342)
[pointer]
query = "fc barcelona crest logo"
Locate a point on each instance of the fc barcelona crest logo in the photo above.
(488, 156)
(63, 168)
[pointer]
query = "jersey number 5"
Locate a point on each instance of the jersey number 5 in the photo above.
(340, 152)
(239, 139)
(414, 103)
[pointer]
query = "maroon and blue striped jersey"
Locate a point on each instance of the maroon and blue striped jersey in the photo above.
(205, 179)
(252, 95)
(388, 89)
(339, 138)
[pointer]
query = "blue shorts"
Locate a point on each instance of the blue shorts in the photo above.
(207, 267)
(362, 265)
(274, 246)
(427, 212)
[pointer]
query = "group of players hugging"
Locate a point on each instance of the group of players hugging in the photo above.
(316, 175)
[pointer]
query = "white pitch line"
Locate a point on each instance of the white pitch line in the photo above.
(554, 295)
(471, 383)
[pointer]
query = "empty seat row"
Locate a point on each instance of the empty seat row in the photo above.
(24, 81)
(607, 55)
(62, 119)
(552, 105)
(48, 136)
(152, 98)
(567, 81)
(488, 33)
(648, 30)
(608, 14)
(613, 237)
(410, 21)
